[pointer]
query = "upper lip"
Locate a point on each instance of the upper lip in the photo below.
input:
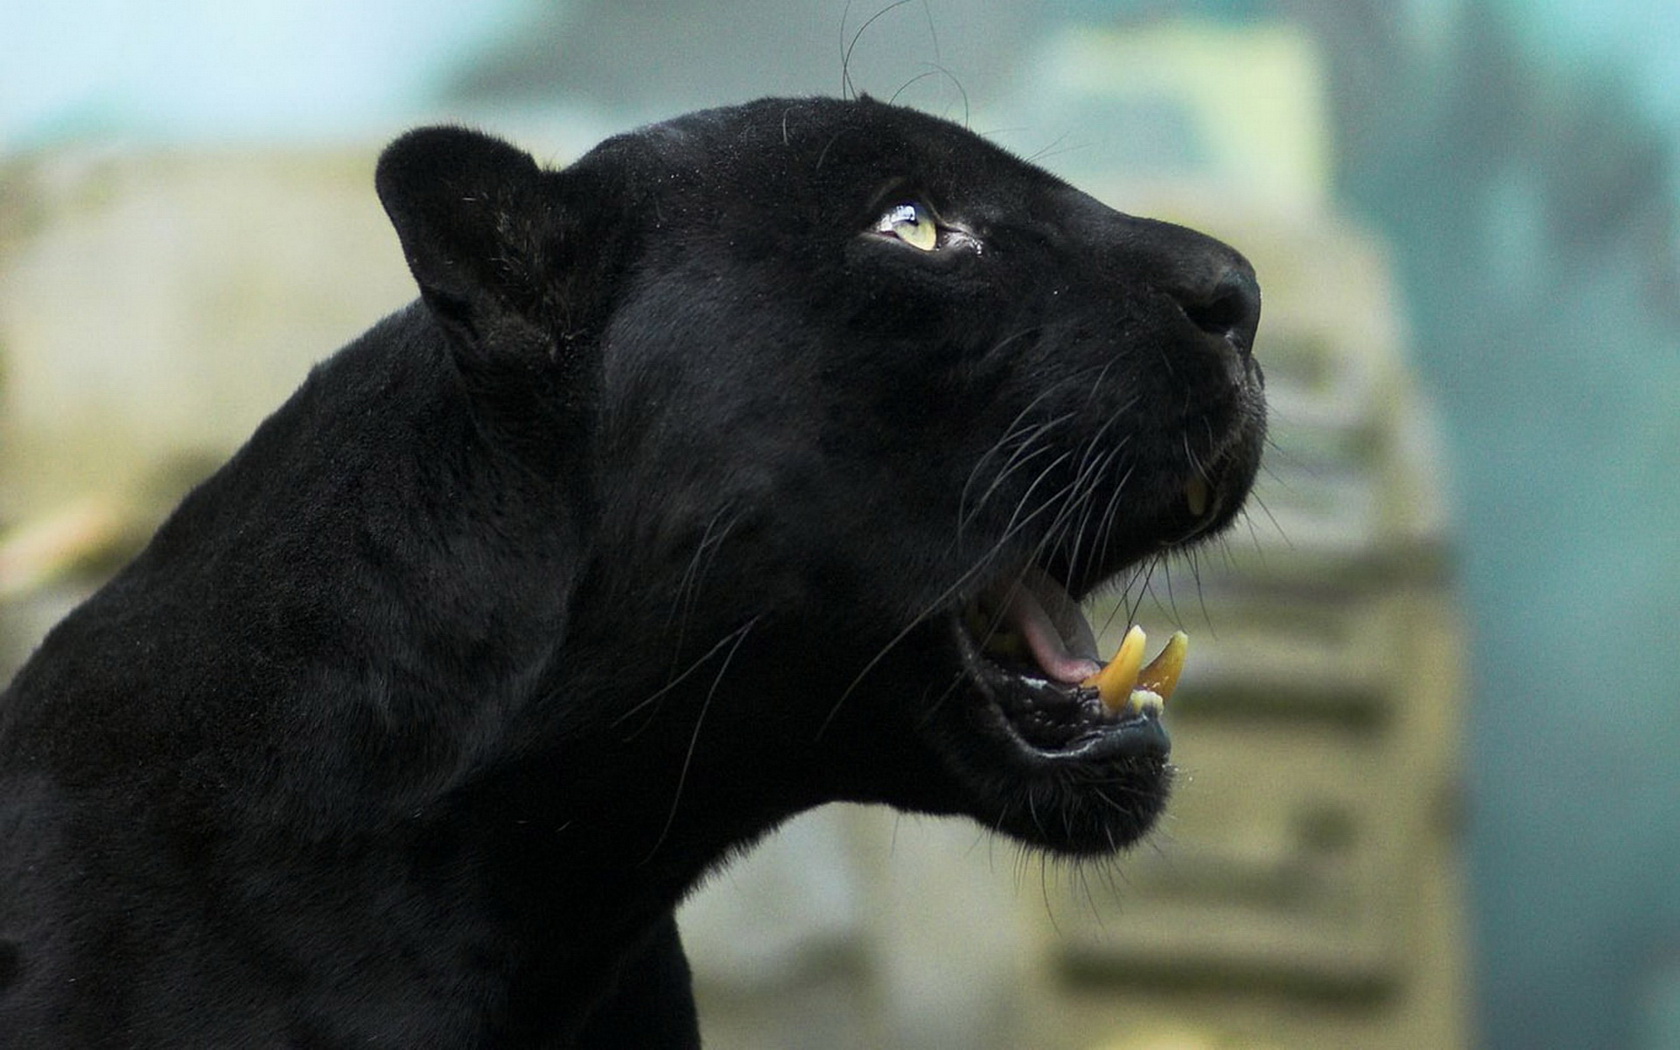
(1171, 518)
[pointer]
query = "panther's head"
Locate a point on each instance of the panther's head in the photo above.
(858, 409)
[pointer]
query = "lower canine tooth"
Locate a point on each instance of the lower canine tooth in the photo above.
(1161, 676)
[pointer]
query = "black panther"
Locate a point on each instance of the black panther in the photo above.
(755, 460)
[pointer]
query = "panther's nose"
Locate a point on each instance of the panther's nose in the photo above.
(1225, 304)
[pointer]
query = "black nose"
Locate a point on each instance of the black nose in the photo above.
(1226, 307)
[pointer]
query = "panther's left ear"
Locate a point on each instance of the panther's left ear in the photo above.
(479, 223)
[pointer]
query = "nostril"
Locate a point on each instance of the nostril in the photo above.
(1230, 309)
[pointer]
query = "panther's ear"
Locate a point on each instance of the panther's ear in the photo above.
(478, 220)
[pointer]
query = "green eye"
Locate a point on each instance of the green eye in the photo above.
(912, 224)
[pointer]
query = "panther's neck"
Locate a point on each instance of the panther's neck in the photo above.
(549, 772)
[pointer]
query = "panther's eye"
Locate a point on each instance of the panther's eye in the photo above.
(912, 224)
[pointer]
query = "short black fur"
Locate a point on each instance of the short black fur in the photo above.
(650, 525)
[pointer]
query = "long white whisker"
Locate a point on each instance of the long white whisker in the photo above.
(694, 738)
(688, 587)
(678, 680)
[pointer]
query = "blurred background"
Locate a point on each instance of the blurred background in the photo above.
(1431, 733)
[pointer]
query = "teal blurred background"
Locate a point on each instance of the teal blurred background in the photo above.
(1518, 156)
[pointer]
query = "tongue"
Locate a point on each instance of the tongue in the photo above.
(1050, 622)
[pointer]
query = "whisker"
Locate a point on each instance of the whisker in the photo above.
(847, 89)
(688, 587)
(1089, 489)
(1111, 512)
(678, 680)
(740, 636)
(1255, 499)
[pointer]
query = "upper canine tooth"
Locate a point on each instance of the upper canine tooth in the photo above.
(1196, 496)
(1114, 683)
(1161, 676)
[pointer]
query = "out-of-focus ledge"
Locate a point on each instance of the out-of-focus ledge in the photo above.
(161, 303)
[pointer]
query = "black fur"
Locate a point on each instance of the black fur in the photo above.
(647, 528)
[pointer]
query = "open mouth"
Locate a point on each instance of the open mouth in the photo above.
(1031, 652)
(1028, 648)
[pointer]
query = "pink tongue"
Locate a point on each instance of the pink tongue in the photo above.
(1050, 622)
